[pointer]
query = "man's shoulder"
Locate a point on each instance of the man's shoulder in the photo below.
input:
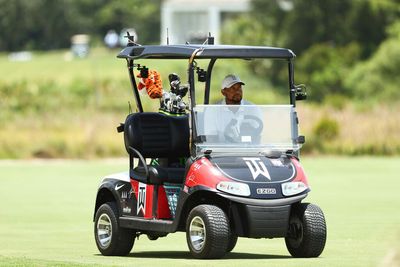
(245, 102)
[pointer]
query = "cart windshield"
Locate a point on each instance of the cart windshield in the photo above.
(245, 128)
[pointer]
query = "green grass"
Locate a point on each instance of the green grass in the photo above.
(70, 107)
(60, 102)
(47, 207)
(102, 70)
(60, 67)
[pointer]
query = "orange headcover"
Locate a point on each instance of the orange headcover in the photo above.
(152, 84)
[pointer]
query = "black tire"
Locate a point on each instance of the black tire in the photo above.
(152, 237)
(115, 241)
(155, 235)
(211, 242)
(232, 242)
(307, 231)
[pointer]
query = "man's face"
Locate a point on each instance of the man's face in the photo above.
(233, 95)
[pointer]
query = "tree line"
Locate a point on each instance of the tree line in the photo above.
(49, 24)
(343, 48)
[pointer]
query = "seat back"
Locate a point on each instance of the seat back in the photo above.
(156, 135)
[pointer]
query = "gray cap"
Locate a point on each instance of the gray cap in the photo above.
(230, 80)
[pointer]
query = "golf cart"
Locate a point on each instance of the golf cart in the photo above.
(216, 172)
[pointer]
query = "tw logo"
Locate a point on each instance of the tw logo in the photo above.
(257, 168)
(141, 202)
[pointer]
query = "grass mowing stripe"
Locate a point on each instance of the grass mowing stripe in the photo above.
(7, 261)
(47, 208)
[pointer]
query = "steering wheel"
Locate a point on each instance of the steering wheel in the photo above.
(245, 126)
(233, 134)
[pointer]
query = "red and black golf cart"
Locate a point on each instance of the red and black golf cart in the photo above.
(216, 172)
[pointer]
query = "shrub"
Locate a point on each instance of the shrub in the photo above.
(326, 129)
(336, 101)
(323, 135)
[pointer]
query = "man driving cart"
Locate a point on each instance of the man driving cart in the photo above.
(233, 123)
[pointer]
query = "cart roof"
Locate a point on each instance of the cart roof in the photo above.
(204, 52)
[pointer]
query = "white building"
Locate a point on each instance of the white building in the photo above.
(192, 20)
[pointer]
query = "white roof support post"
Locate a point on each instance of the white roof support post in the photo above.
(166, 22)
(214, 14)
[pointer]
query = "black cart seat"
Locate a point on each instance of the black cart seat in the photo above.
(156, 135)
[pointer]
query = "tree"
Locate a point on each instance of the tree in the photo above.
(12, 33)
(329, 37)
(378, 77)
(244, 30)
(49, 24)
(299, 24)
(324, 67)
(144, 18)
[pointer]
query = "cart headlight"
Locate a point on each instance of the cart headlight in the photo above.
(293, 188)
(234, 188)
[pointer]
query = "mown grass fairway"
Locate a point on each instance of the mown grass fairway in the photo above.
(47, 209)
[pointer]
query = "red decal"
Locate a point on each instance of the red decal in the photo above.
(301, 176)
(202, 172)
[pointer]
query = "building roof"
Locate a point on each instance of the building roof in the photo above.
(204, 52)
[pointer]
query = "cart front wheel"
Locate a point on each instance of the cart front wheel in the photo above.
(232, 242)
(307, 231)
(207, 232)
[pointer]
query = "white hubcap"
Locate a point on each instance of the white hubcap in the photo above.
(104, 230)
(197, 231)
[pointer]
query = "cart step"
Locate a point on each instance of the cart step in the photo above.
(147, 224)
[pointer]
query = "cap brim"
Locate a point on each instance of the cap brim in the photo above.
(229, 85)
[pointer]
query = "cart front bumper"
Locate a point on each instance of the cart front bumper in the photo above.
(261, 218)
(266, 221)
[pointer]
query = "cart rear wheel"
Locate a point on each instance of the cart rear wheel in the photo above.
(207, 232)
(307, 231)
(111, 240)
